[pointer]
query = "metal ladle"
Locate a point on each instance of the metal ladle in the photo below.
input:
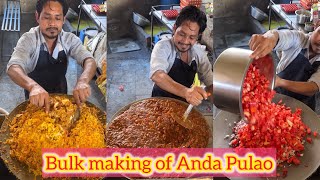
(184, 121)
(74, 119)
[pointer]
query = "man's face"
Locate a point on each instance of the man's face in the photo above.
(51, 19)
(186, 35)
(315, 41)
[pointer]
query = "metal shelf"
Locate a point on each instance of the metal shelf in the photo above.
(290, 19)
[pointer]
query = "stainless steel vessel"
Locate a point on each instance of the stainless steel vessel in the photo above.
(229, 72)
(303, 16)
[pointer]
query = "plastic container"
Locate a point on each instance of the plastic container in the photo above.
(81, 35)
(229, 72)
(89, 32)
(162, 35)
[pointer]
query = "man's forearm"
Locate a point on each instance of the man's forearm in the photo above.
(17, 75)
(166, 83)
(89, 70)
(304, 88)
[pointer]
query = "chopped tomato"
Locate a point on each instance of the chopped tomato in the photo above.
(309, 140)
(315, 134)
(308, 130)
(271, 125)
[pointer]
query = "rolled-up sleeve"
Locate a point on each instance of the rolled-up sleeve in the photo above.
(205, 70)
(315, 77)
(159, 58)
(77, 50)
(290, 39)
(22, 54)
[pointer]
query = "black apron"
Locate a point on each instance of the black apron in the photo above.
(299, 69)
(50, 73)
(181, 73)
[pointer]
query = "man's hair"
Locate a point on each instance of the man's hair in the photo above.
(193, 14)
(41, 3)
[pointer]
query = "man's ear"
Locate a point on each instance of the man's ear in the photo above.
(174, 28)
(37, 16)
(199, 36)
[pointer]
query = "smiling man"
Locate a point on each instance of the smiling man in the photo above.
(298, 73)
(40, 59)
(174, 62)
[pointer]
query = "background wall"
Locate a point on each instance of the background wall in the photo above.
(28, 6)
(233, 15)
(230, 8)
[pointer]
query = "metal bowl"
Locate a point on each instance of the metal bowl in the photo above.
(258, 14)
(229, 72)
(140, 20)
(303, 16)
(308, 26)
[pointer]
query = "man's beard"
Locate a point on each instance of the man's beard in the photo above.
(51, 34)
(180, 50)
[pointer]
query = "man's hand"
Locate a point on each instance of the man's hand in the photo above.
(261, 45)
(81, 92)
(39, 97)
(195, 95)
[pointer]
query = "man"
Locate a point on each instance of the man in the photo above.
(298, 73)
(175, 61)
(40, 59)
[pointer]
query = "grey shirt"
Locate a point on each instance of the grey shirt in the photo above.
(290, 44)
(26, 53)
(164, 54)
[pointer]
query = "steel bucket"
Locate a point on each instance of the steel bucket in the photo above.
(229, 72)
(302, 16)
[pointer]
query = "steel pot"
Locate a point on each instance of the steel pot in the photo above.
(308, 26)
(258, 14)
(3, 114)
(229, 72)
(303, 16)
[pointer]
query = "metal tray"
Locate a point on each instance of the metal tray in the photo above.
(208, 121)
(19, 169)
(310, 160)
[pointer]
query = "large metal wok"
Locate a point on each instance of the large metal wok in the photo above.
(17, 168)
(310, 160)
(209, 121)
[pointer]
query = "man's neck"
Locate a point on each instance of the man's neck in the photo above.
(312, 54)
(184, 56)
(51, 44)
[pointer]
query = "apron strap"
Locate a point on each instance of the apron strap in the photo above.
(181, 73)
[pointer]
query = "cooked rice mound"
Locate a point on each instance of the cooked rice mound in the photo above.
(34, 129)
